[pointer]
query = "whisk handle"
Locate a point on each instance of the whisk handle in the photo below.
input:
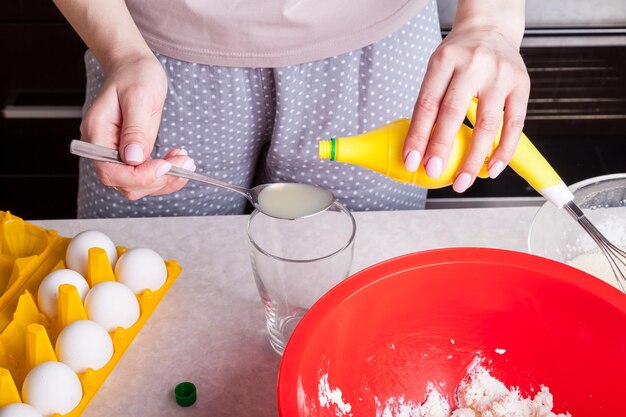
(530, 164)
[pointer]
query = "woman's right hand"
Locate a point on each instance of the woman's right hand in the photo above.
(126, 115)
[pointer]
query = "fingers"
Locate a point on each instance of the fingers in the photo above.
(134, 182)
(425, 114)
(140, 124)
(101, 123)
(109, 122)
(148, 178)
(513, 123)
(486, 128)
(451, 114)
(438, 114)
(466, 65)
(126, 115)
(177, 157)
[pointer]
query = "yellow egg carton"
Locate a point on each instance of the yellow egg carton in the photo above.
(28, 253)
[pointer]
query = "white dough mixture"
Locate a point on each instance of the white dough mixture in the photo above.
(480, 395)
(611, 221)
(595, 263)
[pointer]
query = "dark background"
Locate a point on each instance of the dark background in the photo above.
(576, 115)
(42, 65)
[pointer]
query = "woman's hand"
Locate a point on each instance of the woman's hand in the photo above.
(127, 110)
(477, 59)
(126, 115)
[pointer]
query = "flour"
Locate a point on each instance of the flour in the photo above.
(396, 407)
(478, 395)
(488, 397)
(328, 398)
(481, 395)
(434, 406)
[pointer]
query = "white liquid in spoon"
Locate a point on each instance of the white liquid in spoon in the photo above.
(291, 201)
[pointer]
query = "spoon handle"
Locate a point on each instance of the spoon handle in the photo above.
(104, 154)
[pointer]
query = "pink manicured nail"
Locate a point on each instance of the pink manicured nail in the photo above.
(434, 166)
(182, 152)
(163, 169)
(133, 153)
(189, 164)
(462, 182)
(413, 160)
(496, 169)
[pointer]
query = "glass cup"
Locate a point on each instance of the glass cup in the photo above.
(296, 261)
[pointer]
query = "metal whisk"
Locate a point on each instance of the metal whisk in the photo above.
(615, 255)
(530, 164)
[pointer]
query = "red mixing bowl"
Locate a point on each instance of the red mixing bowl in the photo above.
(388, 330)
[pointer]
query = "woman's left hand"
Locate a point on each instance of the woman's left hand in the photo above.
(474, 60)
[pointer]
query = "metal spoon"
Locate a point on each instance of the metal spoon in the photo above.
(281, 200)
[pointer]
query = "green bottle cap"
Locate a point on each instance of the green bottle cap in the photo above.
(185, 393)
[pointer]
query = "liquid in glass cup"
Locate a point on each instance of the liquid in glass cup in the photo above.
(295, 262)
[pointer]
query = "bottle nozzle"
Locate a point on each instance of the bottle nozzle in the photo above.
(326, 149)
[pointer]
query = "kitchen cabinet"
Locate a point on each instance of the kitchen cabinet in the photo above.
(42, 86)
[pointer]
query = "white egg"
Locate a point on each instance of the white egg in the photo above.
(78, 249)
(52, 387)
(140, 269)
(84, 344)
(48, 292)
(19, 410)
(112, 305)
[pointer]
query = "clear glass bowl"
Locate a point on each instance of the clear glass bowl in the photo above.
(556, 235)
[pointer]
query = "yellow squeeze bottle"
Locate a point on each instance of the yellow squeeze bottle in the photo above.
(381, 150)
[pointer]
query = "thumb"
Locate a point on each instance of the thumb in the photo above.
(140, 123)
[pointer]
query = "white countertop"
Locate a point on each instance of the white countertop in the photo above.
(209, 328)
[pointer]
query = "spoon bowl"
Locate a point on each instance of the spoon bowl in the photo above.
(280, 200)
